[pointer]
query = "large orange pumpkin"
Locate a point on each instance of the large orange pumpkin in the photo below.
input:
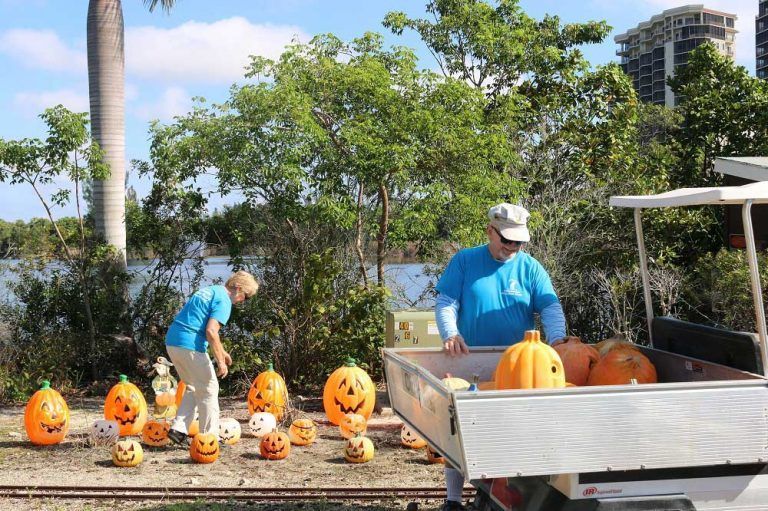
(613, 343)
(620, 366)
(268, 393)
(46, 417)
(348, 389)
(578, 359)
(126, 404)
(530, 364)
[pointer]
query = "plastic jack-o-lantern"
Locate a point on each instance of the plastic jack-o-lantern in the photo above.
(46, 417)
(348, 389)
(204, 448)
(268, 393)
(358, 449)
(229, 431)
(409, 438)
(530, 364)
(352, 424)
(127, 453)
(180, 390)
(262, 423)
(104, 432)
(155, 433)
(433, 456)
(275, 445)
(126, 404)
(302, 432)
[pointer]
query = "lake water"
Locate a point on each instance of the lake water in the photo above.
(407, 281)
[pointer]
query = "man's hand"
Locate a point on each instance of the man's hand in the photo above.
(455, 346)
(227, 359)
(559, 341)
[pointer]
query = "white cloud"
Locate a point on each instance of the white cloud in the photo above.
(746, 10)
(42, 49)
(33, 103)
(174, 101)
(205, 52)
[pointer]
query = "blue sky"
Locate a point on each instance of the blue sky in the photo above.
(201, 48)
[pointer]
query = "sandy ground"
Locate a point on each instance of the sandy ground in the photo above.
(322, 464)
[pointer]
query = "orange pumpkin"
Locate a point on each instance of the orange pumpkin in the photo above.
(302, 432)
(164, 399)
(275, 445)
(204, 448)
(486, 385)
(268, 393)
(530, 364)
(620, 366)
(155, 433)
(433, 456)
(180, 390)
(608, 345)
(46, 417)
(348, 389)
(578, 359)
(126, 404)
(359, 449)
(194, 428)
(352, 424)
(409, 438)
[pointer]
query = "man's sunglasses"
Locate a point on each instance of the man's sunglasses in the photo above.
(505, 241)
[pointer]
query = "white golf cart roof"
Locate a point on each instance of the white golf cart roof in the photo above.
(718, 195)
(753, 168)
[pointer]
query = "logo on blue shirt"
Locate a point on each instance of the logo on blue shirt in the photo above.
(513, 288)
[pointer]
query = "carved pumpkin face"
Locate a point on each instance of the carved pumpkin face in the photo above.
(530, 364)
(127, 453)
(126, 404)
(104, 432)
(348, 389)
(268, 393)
(229, 431)
(46, 417)
(409, 438)
(155, 433)
(262, 423)
(204, 448)
(275, 445)
(352, 424)
(358, 449)
(434, 456)
(302, 432)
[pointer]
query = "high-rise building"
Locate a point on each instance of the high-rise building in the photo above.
(660, 46)
(761, 39)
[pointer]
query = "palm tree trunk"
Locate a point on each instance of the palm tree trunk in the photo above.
(106, 85)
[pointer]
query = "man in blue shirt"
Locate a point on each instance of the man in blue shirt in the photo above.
(489, 295)
(194, 328)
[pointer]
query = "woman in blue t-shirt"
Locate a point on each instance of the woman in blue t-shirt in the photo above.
(194, 328)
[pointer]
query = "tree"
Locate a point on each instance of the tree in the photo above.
(106, 84)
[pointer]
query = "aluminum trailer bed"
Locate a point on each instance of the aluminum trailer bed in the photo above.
(698, 439)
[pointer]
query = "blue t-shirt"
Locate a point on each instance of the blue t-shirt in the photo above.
(188, 328)
(497, 300)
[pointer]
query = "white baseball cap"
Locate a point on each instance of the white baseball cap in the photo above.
(511, 221)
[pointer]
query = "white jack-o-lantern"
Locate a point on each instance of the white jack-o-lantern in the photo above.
(262, 423)
(229, 431)
(409, 438)
(104, 432)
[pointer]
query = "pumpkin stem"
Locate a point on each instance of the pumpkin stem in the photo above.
(123, 378)
(270, 367)
(350, 362)
(532, 335)
(45, 384)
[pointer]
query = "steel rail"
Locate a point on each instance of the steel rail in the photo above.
(223, 493)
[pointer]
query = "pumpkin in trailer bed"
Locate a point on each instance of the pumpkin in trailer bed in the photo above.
(578, 359)
(455, 383)
(614, 343)
(530, 364)
(621, 366)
